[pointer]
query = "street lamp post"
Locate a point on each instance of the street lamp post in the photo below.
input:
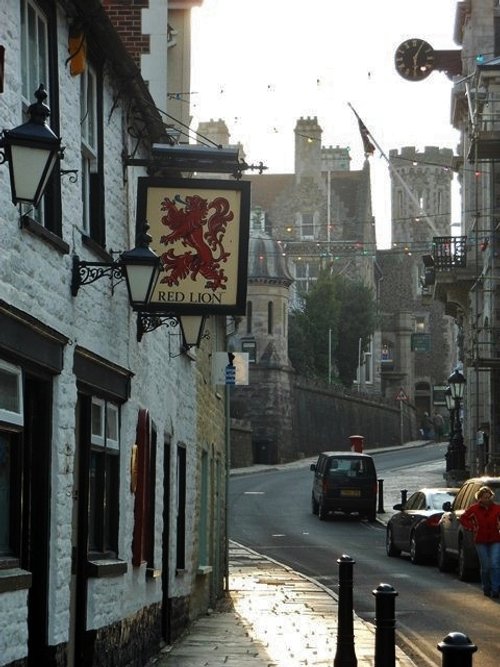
(456, 450)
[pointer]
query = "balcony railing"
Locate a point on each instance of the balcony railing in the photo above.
(449, 252)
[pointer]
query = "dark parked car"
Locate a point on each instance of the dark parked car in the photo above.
(344, 482)
(456, 545)
(414, 528)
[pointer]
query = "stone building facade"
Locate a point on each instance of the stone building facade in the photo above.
(267, 400)
(416, 331)
(467, 265)
(112, 478)
(321, 216)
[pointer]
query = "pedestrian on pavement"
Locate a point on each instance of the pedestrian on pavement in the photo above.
(426, 426)
(438, 423)
(483, 518)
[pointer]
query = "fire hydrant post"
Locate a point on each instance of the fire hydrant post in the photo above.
(357, 443)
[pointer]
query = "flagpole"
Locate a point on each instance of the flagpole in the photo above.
(398, 175)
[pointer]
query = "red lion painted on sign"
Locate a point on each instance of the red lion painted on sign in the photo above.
(201, 225)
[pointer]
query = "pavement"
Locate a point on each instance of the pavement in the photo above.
(273, 616)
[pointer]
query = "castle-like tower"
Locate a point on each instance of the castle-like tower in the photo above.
(266, 401)
(215, 130)
(415, 330)
(307, 149)
(420, 194)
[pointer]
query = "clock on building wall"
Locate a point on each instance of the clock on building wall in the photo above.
(415, 59)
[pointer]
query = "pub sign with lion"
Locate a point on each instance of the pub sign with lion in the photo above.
(199, 228)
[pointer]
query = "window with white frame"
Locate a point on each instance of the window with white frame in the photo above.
(11, 421)
(88, 123)
(306, 274)
(104, 465)
(11, 395)
(34, 49)
(38, 35)
(307, 225)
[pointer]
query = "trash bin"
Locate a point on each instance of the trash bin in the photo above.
(357, 442)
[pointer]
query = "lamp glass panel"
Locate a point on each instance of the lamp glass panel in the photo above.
(139, 279)
(30, 167)
(192, 329)
(48, 173)
(457, 389)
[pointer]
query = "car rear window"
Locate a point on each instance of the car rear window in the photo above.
(349, 467)
(465, 496)
(437, 500)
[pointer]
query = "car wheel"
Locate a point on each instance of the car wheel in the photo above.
(389, 544)
(314, 505)
(464, 572)
(415, 551)
(322, 512)
(444, 562)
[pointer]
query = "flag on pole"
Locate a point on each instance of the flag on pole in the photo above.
(368, 146)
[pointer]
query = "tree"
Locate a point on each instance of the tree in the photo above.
(357, 323)
(336, 310)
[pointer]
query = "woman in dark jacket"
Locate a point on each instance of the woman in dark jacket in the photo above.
(483, 518)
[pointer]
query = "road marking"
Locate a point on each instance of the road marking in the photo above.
(254, 493)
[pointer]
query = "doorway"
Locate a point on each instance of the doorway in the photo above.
(35, 538)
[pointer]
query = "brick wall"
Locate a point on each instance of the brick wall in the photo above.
(126, 18)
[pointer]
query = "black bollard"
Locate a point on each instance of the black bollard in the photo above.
(385, 626)
(457, 650)
(404, 496)
(380, 509)
(345, 655)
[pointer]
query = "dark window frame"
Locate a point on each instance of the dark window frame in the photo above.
(49, 214)
(181, 508)
(103, 527)
(144, 487)
(11, 556)
(249, 317)
(96, 230)
(270, 318)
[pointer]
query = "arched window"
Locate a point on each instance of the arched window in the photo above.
(270, 317)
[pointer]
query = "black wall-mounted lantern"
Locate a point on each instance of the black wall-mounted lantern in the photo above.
(192, 327)
(32, 150)
(140, 267)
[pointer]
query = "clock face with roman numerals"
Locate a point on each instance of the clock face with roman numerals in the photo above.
(414, 59)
